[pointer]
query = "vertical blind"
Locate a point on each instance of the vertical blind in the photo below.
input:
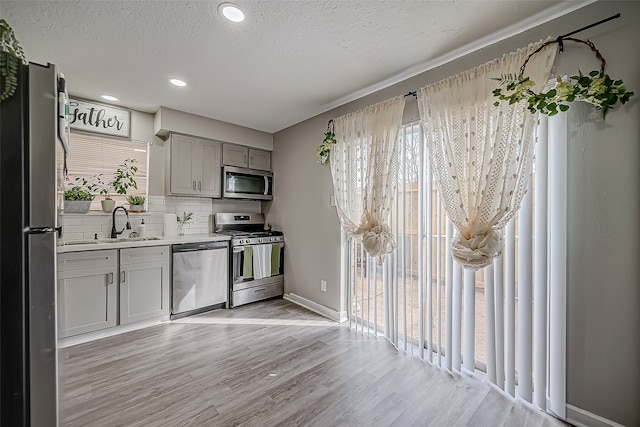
(92, 155)
(496, 321)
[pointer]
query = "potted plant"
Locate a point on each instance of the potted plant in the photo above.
(11, 55)
(77, 199)
(123, 179)
(182, 220)
(136, 203)
(104, 188)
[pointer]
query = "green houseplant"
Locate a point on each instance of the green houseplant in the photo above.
(136, 203)
(11, 54)
(77, 199)
(123, 179)
(182, 220)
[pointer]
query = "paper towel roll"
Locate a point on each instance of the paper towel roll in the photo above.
(170, 225)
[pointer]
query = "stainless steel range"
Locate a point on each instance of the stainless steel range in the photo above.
(256, 259)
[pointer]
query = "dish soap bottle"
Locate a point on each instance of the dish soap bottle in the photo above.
(142, 229)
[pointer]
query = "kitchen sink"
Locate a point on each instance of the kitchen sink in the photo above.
(94, 241)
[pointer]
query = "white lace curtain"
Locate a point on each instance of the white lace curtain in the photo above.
(481, 154)
(364, 167)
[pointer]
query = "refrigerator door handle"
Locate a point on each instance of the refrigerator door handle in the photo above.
(43, 230)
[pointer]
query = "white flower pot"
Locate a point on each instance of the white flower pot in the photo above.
(108, 205)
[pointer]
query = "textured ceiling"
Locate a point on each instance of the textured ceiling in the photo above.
(288, 61)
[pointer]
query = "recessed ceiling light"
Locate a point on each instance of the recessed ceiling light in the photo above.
(177, 82)
(231, 12)
(109, 97)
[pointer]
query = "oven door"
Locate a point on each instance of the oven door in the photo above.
(245, 266)
(240, 183)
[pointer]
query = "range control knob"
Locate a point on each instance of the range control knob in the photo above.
(260, 240)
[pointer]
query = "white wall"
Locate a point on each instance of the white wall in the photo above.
(604, 207)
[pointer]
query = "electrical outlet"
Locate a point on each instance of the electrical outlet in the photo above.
(323, 285)
(332, 200)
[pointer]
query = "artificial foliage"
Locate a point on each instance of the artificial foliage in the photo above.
(595, 88)
(323, 150)
(78, 193)
(136, 200)
(11, 54)
(601, 91)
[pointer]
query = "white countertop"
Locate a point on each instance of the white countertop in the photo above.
(116, 244)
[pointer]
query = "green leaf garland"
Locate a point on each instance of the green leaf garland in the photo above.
(323, 150)
(596, 88)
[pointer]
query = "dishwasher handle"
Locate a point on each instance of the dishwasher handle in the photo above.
(200, 246)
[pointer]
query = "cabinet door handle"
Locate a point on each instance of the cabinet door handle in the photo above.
(200, 185)
(194, 185)
(251, 160)
(122, 277)
(110, 278)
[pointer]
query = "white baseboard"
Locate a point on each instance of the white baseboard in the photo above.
(109, 332)
(334, 315)
(582, 418)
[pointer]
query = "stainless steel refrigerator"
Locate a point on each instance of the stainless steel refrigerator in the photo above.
(29, 135)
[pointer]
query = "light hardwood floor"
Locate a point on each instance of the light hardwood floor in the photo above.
(266, 364)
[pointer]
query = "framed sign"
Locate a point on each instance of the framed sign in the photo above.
(90, 116)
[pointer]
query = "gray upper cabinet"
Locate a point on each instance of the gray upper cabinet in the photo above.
(259, 159)
(245, 157)
(234, 155)
(144, 283)
(193, 166)
(87, 291)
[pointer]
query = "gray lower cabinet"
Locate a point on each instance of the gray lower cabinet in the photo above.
(144, 283)
(91, 287)
(87, 291)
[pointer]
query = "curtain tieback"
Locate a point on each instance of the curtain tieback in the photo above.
(377, 239)
(477, 251)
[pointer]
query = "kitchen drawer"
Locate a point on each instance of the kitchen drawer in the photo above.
(257, 293)
(87, 259)
(146, 254)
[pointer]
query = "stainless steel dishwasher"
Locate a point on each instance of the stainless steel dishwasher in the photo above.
(200, 278)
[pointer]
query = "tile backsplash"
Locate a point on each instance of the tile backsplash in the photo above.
(87, 226)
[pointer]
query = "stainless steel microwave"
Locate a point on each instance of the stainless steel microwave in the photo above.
(240, 183)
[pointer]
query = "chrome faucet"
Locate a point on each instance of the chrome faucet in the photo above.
(114, 232)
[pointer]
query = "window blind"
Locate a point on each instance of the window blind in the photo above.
(92, 155)
(506, 321)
